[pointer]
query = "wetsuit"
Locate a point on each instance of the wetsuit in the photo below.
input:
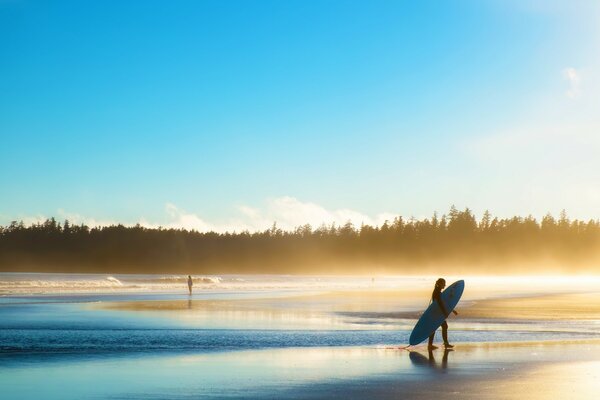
(437, 296)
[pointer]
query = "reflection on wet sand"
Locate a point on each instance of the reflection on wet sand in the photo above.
(559, 370)
(230, 314)
(272, 345)
(381, 310)
(305, 312)
(419, 360)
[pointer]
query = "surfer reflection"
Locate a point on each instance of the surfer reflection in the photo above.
(444, 358)
(440, 284)
(419, 359)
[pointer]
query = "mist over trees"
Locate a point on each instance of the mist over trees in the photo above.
(454, 242)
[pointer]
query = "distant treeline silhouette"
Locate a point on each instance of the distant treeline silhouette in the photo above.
(454, 242)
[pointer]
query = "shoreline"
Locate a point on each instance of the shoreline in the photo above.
(470, 371)
(408, 305)
(319, 346)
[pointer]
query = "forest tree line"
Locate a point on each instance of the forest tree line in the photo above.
(456, 240)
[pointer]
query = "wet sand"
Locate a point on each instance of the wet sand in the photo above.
(575, 306)
(472, 371)
(335, 344)
(529, 371)
(564, 307)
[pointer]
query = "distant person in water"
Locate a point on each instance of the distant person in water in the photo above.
(190, 284)
(440, 284)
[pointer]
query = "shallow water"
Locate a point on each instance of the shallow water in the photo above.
(48, 283)
(13, 284)
(82, 334)
(334, 311)
(319, 372)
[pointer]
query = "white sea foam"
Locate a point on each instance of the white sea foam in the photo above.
(26, 286)
(183, 279)
(33, 283)
(114, 280)
(15, 283)
(479, 287)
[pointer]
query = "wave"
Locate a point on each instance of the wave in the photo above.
(114, 280)
(61, 283)
(48, 283)
(183, 279)
(107, 282)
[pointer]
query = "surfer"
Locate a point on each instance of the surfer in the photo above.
(440, 284)
(190, 284)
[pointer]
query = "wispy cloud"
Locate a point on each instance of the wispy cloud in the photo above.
(573, 76)
(286, 211)
(29, 219)
(61, 215)
(289, 212)
(182, 219)
(553, 141)
(77, 219)
(546, 159)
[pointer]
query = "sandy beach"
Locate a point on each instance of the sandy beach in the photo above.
(379, 307)
(474, 371)
(265, 341)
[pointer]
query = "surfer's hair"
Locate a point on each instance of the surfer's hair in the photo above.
(440, 282)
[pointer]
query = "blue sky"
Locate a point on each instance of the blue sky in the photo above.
(230, 115)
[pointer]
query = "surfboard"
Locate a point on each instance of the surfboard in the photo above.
(433, 317)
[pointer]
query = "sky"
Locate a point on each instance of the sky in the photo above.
(232, 115)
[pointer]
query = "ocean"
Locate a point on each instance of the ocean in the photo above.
(108, 323)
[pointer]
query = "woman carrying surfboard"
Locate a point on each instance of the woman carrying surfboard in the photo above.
(436, 296)
(440, 306)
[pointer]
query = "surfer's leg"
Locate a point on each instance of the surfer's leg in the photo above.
(431, 337)
(445, 335)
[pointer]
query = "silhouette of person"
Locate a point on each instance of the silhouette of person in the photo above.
(190, 284)
(419, 360)
(444, 358)
(440, 284)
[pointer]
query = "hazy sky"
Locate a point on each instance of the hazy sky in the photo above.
(230, 115)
